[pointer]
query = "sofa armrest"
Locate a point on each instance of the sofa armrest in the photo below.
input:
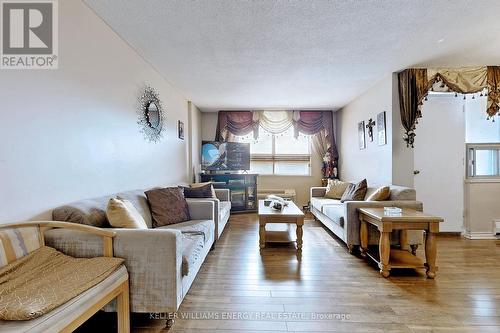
(202, 209)
(352, 223)
(153, 258)
(317, 192)
(223, 194)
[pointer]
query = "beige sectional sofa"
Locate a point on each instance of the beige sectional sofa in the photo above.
(342, 218)
(162, 262)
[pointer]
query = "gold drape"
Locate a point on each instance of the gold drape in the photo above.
(493, 106)
(413, 87)
(465, 80)
(414, 84)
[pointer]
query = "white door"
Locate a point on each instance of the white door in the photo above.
(439, 159)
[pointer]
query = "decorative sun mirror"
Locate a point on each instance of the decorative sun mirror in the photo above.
(151, 115)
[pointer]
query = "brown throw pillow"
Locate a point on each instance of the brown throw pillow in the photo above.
(194, 185)
(381, 194)
(355, 192)
(204, 191)
(335, 188)
(168, 206)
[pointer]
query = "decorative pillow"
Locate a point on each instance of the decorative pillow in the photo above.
(381, 194)
(355, 192)
(16, 243)
(335, 188)
(121, 213)
(204, 191)
(196, 185)
(168, 206)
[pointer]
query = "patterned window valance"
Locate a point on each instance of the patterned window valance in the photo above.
(414, 85)
(305, 122)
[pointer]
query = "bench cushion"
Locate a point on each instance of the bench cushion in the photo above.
(60, 317)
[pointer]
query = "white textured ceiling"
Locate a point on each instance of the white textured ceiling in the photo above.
(231, 54)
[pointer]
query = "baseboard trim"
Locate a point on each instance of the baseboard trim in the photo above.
(480, 235)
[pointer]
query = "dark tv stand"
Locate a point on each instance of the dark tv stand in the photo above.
(242, 187)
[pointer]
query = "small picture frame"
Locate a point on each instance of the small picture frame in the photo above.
(180, 130)
(361, 135)
(381, 132)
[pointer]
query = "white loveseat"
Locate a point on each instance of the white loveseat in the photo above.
(342, 218)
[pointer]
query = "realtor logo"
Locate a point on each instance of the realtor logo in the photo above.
(29, 34)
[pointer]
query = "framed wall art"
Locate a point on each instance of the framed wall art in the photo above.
(361, 135)
(381, 133)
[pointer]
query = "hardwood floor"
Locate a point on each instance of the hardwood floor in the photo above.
(273, 291)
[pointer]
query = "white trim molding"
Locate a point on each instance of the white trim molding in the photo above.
(496, 227)
(480, 235)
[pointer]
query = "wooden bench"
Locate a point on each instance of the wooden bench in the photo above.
(69, 316)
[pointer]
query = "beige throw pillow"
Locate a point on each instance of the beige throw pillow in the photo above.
(335, 188)
(121, 213)
(381, 194)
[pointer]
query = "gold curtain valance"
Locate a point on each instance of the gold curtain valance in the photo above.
(414, 84)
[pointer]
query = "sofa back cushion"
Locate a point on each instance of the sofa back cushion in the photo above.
(402, 193)
(93, 211)
(16, 243)
(168, 206)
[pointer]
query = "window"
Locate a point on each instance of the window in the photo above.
(279, 154)
(483, 160)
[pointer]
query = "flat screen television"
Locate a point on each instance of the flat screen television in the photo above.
(219, 156)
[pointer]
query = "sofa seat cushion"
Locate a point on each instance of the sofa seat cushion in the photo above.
(335, 213)
(205, 228)
(224, 210)
(320, 202)
(192, 250)
(63, 315)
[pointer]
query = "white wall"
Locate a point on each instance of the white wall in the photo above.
(481, 208)
(71, 133)
(439, 156)
(208, 126)
(478, 129)
(374, 162)
(194, 156)
(301, 184)
(481, 196)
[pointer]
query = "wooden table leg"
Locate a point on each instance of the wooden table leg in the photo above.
(262, 233)
(403, 239)
(300, 232)
(430, 254)
(384, 252)
(363, 235)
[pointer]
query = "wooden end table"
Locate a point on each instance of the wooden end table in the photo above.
(289, 214)
(409, 219)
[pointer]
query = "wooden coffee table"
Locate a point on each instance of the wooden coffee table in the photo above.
(289, 214)
(409, 219)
